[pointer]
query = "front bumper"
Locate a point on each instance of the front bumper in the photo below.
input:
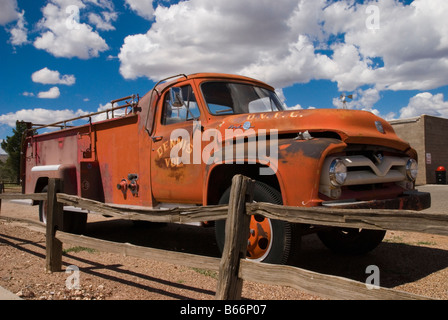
(410, 200)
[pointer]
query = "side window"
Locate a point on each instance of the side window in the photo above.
(180, 105)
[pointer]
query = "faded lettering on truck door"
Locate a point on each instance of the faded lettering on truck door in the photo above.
(179, 178)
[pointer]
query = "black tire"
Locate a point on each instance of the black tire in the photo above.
(285, 240)
(72, 222)
(43, 208)
(351, 241)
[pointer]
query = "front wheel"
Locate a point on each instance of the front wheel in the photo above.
(270, 241)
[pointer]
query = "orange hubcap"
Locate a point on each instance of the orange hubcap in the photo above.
(259, 242)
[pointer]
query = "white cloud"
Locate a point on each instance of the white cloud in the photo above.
(38, 115)
(8, 12)
(425, 103)
(411, 40)
(19, 33)
(361, 99)
(282, 44)
(107, 115)
(198, 35)
(299, 65)
(143, 8)
(63, 34)
(53, 93)
(47, 76)
(296, 107)
(105, 4)
(103, 22)
(364, 100)
(46, 116)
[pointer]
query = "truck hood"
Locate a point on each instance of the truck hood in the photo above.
(352, 126)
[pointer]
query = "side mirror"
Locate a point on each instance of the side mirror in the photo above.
(176, 100)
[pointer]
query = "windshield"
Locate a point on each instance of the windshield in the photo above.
(235, 98)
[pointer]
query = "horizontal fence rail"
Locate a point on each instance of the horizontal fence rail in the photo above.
(127, 249)
(20, 196)
(233, 269)
(377, 219)
(323, 285)
(179, 215)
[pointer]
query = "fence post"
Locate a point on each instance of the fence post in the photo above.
(54, 215)
(237, 232)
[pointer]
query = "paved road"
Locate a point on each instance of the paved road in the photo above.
(6, 295)
(439, 197)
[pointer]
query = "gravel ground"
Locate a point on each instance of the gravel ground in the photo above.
(105, 276)
(411, 262)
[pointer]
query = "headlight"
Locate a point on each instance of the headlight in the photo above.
(412, 169)
(338, 172)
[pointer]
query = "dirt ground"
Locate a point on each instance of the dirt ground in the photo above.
(411, 262)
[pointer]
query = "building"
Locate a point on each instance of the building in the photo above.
(428, 135)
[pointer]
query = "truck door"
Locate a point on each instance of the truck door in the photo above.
(172, 179)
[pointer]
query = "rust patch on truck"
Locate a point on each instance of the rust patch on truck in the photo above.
(313, 148)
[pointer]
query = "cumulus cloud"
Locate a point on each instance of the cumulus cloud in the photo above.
(19, 33)
(38, 115)
(47, 116)
(9, 12)
(425, 103)
(143, 8)
(198, 35)
(53, 93)
(103, 21)
(297, 41)
(360, 99)
(47, 76)
(410, 39)
(64, 35)
(363, 99)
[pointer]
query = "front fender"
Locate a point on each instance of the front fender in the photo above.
(299, 166)
(296, 171)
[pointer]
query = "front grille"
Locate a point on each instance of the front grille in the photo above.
(363, 172)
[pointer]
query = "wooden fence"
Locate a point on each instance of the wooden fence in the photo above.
(233, 267)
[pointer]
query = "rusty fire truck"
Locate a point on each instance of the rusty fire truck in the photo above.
(320, 157)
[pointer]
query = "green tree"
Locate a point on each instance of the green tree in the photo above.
(13, 147)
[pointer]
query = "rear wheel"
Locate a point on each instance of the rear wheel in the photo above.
(351, 241)
(72, 222)
(43, 208)
(270, 241)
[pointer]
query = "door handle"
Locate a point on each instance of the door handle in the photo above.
(156, 138)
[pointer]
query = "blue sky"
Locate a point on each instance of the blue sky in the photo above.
(55, 64)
